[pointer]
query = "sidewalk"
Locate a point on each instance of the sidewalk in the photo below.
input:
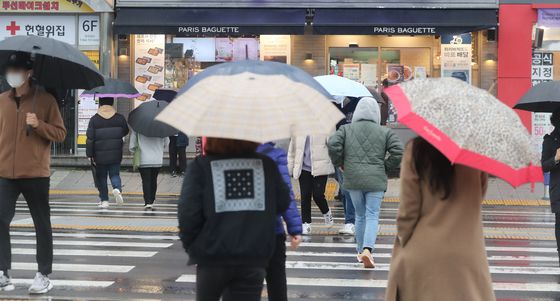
(79, 181)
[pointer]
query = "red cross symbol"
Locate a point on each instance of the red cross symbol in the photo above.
(13, 28)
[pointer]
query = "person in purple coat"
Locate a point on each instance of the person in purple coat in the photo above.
(276, 271)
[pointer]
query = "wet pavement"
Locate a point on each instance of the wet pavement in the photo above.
(127, 253)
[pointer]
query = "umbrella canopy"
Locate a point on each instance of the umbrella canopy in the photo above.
(341, 86)
(56, 64)
(165, 94)
(142, 120)
(254, 101)
(469, 126)
(544, 97)
(113, 88)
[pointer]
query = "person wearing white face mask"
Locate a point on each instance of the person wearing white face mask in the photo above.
(30, 121)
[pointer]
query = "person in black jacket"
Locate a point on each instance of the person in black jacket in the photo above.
(227, 218)
(551, 163)
(178, 150)
(104, 146)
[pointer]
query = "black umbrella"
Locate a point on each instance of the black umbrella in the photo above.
(143, 120)
(113, 88)
(544, 97)
(56, 64)
(165, 94)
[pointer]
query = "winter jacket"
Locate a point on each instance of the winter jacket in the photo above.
(182, 140)
(361, 148)
(228, 208)
(551, 143)
(320, 162)
(151, 149)
(291, 216)
(28, 156)
(105, 134)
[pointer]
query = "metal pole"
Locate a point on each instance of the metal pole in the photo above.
(106, 43)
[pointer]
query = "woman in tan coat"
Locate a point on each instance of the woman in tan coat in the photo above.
(439, 252)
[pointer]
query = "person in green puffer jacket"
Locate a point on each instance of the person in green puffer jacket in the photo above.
(361, 149)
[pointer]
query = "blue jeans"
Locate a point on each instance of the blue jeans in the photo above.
(113, 171)
(345, 198)
(367, 205)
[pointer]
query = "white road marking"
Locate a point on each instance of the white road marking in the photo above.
(93, 243)
(69, 283)
(101, 253)
(94, 235)
(63, 267)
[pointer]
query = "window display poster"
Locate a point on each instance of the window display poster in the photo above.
(456, 56)
(224, 49)
(420, 72)
(87, 108)
(542, 71)
(245, 49)
(395, 73)
(149, 62)
(275, 48)
(368, 75)
(201, 49)
(352, 71)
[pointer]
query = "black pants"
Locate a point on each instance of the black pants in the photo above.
(276, 272)
(241, 283)
(311, 186)
(36, 194)
(149, 183)
(177, 152)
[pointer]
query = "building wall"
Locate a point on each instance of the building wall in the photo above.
(301, 45)
(488, 64)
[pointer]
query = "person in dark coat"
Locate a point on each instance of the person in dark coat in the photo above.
(276, 271)
(104, 146)
(227, 218)
(551, 163)
(178, 150)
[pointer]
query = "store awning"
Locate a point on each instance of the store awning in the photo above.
(402, 21)
(209, 22)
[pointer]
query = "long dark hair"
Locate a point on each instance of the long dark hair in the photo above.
(432, 166)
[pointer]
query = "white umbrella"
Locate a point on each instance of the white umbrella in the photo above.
(339, 86)
(254, 101)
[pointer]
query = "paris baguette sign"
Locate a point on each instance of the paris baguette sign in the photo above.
(404, 30)
(209, 29)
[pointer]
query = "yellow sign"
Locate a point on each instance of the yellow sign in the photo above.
(93, 55)
(44, 6)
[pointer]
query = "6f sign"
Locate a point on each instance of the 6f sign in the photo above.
(89, 30)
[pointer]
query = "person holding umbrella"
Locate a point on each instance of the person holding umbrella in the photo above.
(25, 168)
(551, 163)
(104, 147)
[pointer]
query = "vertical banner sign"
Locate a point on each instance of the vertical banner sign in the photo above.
(87, 108)
(88, 30)
(456, 56)
(149, 62)
(542, 71)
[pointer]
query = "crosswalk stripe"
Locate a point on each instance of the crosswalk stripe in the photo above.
(63, 267)
(154, 212)
(369, 283)
(97, 235)
(102, 253)
(69, 283)
(97, 243)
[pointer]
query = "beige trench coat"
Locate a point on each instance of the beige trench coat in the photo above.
(439, 252)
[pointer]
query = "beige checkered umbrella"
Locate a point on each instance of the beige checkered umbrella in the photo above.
(254, 101)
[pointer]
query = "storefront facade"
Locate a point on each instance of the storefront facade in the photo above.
(76, 22)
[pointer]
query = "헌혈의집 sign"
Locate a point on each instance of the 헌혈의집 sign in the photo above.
(62, 28)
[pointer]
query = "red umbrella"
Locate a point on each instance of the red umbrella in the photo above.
(469, 126)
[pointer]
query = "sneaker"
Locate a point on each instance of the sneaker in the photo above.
(5, 283)
(329, 221)
(118, 196)
(103, 205)
(148, 207)
(367, 259)
(41, 285)
(348, 229)
(174, 174)
(359, 256)
(306, 229)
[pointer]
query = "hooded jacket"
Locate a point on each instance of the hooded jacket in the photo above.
(105, 134)
(361, 149)
(551, 143)
(228, 209)
(320, 162)
(151, 149)
(28, 156)
(291, 216)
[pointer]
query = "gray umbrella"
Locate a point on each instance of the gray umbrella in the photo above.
(142, 120)
(113, 88)
(56, 64)
(544, 97)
